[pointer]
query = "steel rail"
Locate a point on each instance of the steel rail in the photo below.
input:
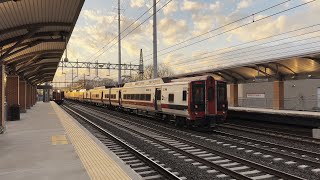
(167, 174)
(272, 133)
(227, 156)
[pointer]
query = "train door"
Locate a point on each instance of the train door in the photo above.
(198, 96)
(120, 98)
(158, 99)
(222, 103)
(102, 97)
(210, 96)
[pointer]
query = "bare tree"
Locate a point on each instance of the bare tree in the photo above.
(163, 71)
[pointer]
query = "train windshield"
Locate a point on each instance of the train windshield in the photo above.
(198, 95)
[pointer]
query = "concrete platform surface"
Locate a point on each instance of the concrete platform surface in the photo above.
(280, 112)
(39, 146)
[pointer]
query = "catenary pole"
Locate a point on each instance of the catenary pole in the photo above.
(155, 49)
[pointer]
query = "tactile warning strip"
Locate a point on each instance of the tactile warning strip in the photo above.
(97, 163)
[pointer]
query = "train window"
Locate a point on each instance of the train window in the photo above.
(210, 94)
(148, 97)
(184, 95)
(143, 97)
(171, 97)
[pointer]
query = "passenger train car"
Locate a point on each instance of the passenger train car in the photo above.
(195, 101)
(58, 96)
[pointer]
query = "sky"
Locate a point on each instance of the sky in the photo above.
(193, 35)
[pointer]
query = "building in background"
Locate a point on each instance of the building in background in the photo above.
(302, 95)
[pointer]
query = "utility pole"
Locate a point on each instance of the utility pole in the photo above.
(141, 68)
(119, 45)
(155, 49)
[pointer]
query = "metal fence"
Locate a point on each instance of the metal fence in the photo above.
(293, 103)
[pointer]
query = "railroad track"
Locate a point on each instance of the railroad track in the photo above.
(138, 161)
(260, 131)
(287, 155)
(254, 144)
(198, 154)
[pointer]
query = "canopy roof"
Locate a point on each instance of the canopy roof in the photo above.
(301, 66)
(33, 35)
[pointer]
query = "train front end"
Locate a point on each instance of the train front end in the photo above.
(207, 102)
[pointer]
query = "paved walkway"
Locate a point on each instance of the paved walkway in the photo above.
(44, 145)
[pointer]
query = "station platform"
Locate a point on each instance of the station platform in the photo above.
(297, 118)
(304, 114)
(47, 143)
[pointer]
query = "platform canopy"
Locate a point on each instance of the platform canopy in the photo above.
(34, 34)
(300, 66)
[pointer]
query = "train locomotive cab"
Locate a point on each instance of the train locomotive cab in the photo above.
(207, 102)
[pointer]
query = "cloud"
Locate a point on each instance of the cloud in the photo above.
(137, 3)
(215, 6)
(191, 5)
(261, 29)
(172, 30)
(244, 4)
(202, 23)
(172, 58)
(170, 8)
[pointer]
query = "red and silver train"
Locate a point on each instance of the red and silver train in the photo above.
(195, 101)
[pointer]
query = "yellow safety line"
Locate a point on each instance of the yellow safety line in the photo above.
(95, 160)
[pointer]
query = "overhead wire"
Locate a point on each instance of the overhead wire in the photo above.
(252, 41)
(124, 31)
(267, 57)
(244, 48)
(252, 53)
(233, 22)
(232, 29)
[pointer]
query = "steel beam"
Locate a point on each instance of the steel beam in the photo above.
(26, 36)
(35, 25)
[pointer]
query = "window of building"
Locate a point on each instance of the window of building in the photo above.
(171, 97)
(184, 95)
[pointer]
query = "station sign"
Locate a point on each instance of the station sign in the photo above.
(256, 95)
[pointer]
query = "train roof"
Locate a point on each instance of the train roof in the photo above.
(147, 82)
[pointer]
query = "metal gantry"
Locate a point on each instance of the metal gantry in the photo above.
(99, 65)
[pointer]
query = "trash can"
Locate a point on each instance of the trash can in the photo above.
(14, 113)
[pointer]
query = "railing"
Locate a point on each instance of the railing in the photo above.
(294, 103)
